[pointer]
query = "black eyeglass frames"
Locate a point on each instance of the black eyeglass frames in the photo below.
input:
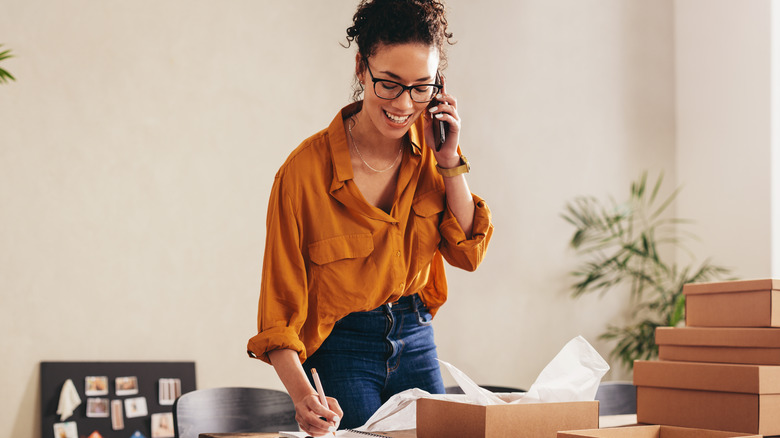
(389, 90)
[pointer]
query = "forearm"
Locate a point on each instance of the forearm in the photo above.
(460, 201)
(288, 368)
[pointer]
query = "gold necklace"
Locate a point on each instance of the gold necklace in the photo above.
(354, 145)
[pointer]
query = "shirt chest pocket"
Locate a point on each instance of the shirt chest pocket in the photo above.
(428, 210)
(341, 265)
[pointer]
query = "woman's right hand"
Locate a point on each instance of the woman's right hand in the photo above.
(314, 418)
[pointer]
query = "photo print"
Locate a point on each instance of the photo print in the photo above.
(117, 415)
(169, 390)
(162, 425)
(97, 407)
(126, 385)
(135, 407)
(96, 385)
(66, 430)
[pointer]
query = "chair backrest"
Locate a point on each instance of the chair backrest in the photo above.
(616, 398)
(233, 410)
(491, 388)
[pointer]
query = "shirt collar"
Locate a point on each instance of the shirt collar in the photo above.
(342, 162)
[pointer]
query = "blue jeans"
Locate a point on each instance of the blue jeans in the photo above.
(371, 356)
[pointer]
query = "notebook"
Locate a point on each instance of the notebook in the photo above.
(347, 433)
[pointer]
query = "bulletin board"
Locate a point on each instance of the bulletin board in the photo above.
(147, 383)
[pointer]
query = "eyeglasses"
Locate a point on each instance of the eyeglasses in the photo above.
(389, 90)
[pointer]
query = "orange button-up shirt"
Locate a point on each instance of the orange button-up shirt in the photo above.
(329, 252)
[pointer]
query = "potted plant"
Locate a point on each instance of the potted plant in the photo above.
(4, 75)
(629, 244)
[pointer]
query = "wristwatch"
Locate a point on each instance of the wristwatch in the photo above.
(455, 171)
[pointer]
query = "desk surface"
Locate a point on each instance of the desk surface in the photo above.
(397, 434)
(604, 421)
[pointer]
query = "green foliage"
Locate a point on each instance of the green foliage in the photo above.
(628, 244)
(4, 75)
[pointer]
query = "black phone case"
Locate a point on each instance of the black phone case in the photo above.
(439, 127)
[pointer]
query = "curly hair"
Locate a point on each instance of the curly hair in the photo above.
(397, 22)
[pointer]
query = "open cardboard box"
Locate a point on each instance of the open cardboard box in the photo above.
(730, 397)
(745, 303)
(449, 419)
(651, 432)
(759, 346)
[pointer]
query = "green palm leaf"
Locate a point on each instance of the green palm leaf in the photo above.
(624, 244)
(4, 75)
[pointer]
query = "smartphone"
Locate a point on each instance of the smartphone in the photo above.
(439, 128)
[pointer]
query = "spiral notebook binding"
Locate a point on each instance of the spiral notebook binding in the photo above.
(366, 433)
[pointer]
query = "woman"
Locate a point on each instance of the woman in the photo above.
(360, 217)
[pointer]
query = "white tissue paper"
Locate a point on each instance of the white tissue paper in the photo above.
(573, 375)
(69, 400)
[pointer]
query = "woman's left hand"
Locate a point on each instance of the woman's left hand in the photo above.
(445, 109)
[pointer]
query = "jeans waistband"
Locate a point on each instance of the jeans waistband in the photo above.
(409, 302)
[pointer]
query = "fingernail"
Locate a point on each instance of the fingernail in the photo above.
(438, 96)
(433, 109)
(438, 116)
(332, 429)
(336, 419)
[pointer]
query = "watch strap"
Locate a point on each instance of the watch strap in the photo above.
(464, 167)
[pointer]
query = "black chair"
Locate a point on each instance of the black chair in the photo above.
(233, 410)
(616, 398)
(458, 390)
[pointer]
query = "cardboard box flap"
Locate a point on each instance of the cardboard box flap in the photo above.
(718, 337)
(750, 379)
(765, 284)
(652, 432)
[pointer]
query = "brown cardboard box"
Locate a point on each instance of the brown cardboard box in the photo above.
(746, 303)
(730, 397)
(759, 346)
(447, 419)
(651, 432)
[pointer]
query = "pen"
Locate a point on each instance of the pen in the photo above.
(320, 391)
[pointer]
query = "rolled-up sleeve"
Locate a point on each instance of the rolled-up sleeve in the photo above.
(457, 249)
(283, 301)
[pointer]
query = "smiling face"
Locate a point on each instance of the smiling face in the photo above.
(408, 64)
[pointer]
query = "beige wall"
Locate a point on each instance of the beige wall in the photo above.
(775, 136)
(138, 146)
(724, 133)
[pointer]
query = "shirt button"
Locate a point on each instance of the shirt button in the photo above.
(398, 253)
(401, 286)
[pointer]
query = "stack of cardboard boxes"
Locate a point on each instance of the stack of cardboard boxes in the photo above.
(721, 371)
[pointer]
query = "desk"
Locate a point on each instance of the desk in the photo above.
(397, 434)
(604, 421)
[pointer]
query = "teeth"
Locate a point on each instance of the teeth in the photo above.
(396, 119)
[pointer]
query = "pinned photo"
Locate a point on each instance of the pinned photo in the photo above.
(97, 407)
(117, 415)
(66, 430)
(96, 385)
(170, 390)
(162, 425)
(135, 407)
(126, 385)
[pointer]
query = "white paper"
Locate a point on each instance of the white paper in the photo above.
(69, 400)
(573, 375)
(474, 393)
(343, 433)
